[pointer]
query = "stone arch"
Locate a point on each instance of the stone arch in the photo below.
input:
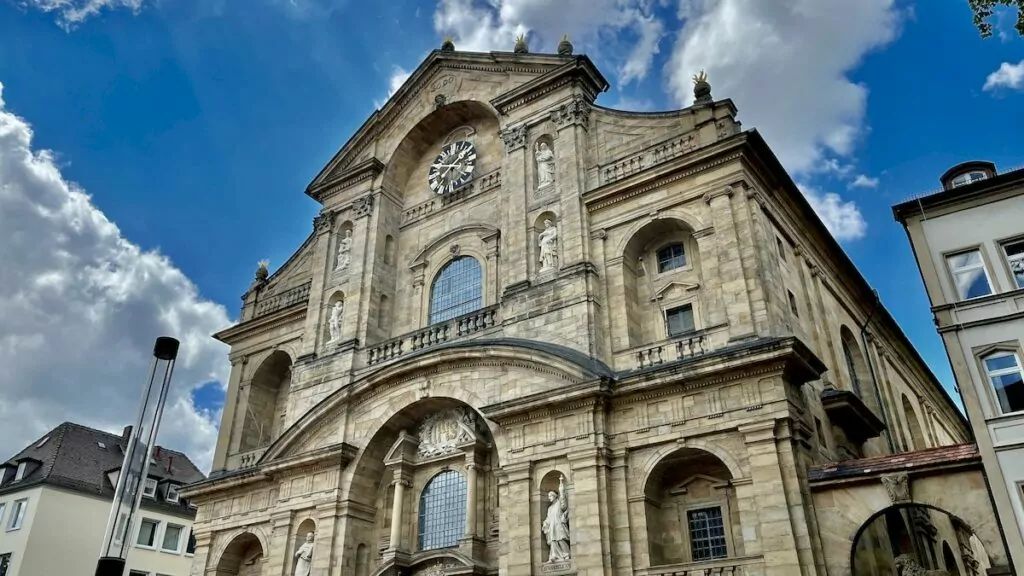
(236, 549)
(691, 509)
(663, 451)
(479, 229)
(917, 440)
(266, 402)
(690, 221)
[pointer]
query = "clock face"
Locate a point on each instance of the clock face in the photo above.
(453, 167)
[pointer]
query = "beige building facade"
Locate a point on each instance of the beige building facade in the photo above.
(969, 243)
(55, 501)
(532, 335)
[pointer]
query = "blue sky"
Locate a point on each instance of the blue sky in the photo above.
(195, 125)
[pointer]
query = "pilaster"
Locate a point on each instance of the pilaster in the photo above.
(571, 138)
(323, 224)
(515, 244)
(732, 282)
(618, 517)
(589, 534)
(226, 434)
(201, 556)
(276, 559)
(324, 540)
(515, 557)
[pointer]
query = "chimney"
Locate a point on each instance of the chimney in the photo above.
(170, 461)
(126, 435)
(157, 456)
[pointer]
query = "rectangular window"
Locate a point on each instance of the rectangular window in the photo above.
(190, 548)
(792, 304)
(172, 493)
(1004, 372)
(679, 320)
(1015, 259)
(707, 534)
(172, 537)
(137, 573)
(147, 533)
(671, 257)
(150, 488)
(969, 276)
(821, 431)
(782, 248)
(2, 506)
(17, 515)
(21, 471)
(5, 562)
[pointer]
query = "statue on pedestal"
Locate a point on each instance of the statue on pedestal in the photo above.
(548, 247)
(556, 525)
(545, 165)
(334, 323)
(344, 247)
(304, 556)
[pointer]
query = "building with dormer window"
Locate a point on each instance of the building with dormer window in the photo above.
(529, 334)
(55, 501)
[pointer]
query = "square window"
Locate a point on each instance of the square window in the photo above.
(679, 320)
(172, 493)
(671, 257)
(792, 304)
(1004, 373)
(149, 489)
(782, 248)
(1015, 259)
(707, 534)
(969, 276)
(147, 533)
(172, 537)
(17, 515)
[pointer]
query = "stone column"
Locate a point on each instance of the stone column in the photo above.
(588, 521)
(202, 554)
(323, 547)
(397, 511)
(778, 539)
(277, 559)
(830, 359)
(226, 435)
(515, 521)
(471, 500)
(515, 244)
(732, 283)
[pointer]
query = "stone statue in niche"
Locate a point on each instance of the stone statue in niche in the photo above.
(344, 248)
(334, 322)
(556, 525)
(304, 557)
(548, 246)
(545, 165)
(444, 432)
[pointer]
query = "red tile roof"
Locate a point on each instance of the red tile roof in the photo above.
(958, 453)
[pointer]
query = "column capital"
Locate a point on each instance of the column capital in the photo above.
(514, 138)
(725, 192)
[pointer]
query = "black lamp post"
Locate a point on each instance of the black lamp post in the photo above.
(131, 479)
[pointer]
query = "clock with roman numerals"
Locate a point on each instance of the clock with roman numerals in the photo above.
(453, 167)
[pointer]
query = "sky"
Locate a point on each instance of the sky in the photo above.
(153, 151)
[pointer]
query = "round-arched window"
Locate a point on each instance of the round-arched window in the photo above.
(442, 516)
(457, 289)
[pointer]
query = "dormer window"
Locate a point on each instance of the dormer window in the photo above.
(172, 493)
(149, 489)
(21, 471)
(967, 178)
(671, 257)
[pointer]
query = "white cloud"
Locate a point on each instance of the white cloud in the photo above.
(81, 307)
(72, 12)
(398, 77)
(842, 218)
(1006, 76)
(864, 181)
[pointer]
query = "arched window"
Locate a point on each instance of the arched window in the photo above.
(457, 289)
(671, 257)
(442, 511)
(851, 365)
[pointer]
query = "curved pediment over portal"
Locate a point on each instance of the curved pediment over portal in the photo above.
(470, 372)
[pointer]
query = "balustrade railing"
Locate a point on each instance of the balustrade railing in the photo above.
(722, 567)
(433, 335)
(285, 299)
(682, 347)
(653, 156)
(481, 183)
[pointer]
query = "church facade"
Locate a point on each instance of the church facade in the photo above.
(532, 335)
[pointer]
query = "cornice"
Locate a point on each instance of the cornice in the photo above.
(366, 170)
(263, 324)
(580, 70)
(540, 405)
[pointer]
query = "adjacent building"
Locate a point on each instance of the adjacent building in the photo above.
(968, 239)
(55, 500)
(529, 334)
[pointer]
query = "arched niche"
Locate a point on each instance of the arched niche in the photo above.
(243, 556)
(389, 250)
(661, 282)
(548, 495)
(343, 242)
(407, 168)
(307, 526)
(441, 452)
(266, 402)
(691, 510)
(908, 539)
(544, 163)
(334, 318)
(540, 224)
(362, 567)
(916, 440)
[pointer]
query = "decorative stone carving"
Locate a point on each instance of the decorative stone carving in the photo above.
(548, 240)
(513, 138)
(440, 100)
(898, 487)
(344, 250)
(907, 566)
(556, 525)
(304, 555)
(575, 111)
(334, 323)
(545, 165)
(322, 222)
(445, 431)
(363, 205)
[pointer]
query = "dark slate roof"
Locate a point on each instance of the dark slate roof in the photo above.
(906, 461)
(72, 457)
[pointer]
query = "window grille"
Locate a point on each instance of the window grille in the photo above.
(457, 290)
(707, 534)
(442, 517)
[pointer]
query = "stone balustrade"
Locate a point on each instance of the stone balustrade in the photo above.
(662, 152)
(722, 567)
(439, 333)
(481, 183)
(681, 347)
(290, 297)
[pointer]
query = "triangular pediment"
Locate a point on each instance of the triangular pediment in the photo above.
(682, 487)
(680, 287)
(403, 450)
(503, 80)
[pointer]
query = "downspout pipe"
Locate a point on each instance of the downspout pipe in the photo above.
(871, 369)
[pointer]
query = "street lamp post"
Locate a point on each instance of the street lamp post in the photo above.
(131, 479)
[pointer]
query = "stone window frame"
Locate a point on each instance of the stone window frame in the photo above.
(679, 306)
(980, 354)
(477, 240)
(986, 266)
(687, 263)
(1005, 258)
(692, 300)
(454, 306)
(719, 487)
(423, 477)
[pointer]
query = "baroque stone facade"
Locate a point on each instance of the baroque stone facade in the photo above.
(647, 395)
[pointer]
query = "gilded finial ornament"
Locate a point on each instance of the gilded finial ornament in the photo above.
(262, 269)
(521, 47)
(701, 89)
(448, 44)
(565, 47)
(700, 77)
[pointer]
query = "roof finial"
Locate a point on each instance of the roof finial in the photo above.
(521, 47)
(448, 45)
(701, 89)
(262, 270)
(565, 47)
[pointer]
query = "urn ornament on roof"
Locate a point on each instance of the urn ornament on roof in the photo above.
(565, 47)
(521, 47)
(447, 45)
